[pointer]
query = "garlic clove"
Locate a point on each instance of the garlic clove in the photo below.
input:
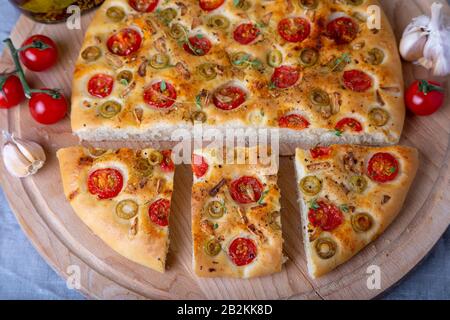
(412, 46)
(30, 150)
(15, 162)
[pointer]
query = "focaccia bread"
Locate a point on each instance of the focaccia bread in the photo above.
(312, 68)
(348, 196)
(124, 197)
(236, 224)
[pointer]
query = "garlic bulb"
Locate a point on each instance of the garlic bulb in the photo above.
(414, 38)
(22, 158)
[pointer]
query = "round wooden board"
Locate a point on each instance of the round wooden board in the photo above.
(63, 240)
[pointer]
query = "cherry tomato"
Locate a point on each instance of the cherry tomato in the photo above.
(285, 76)
(100, 85)
(210, 5)
(349, 123)
(105, 183)
(47, 109)
(124, 42)
(229, 97)
(425, 97)
(246, 190)
(143, 5)
(11, 92)
(159, 212)
(199, 165)
(383, 167)
(167, 164)
(246, 33)
(321, 152)
(160, 95)
(294, 29)
(198, 45)
(293, 121)
(342, 30)
(325, 215)
(242, 251)
(39, 59)
(357, 81)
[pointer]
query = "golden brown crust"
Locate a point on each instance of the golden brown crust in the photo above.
(382, 201)
(138, 239)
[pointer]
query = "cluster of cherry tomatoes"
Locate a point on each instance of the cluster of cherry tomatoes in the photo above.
(37, 53)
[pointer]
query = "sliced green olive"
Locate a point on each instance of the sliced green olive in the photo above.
(274, 58)
(199, 116)
(167, 15)
(116, 14)
(358, 183)
(375, 56)
(362, 222)
(159, 61)
(144, 167)
(207, 71)
(109, 109)
(125, 77)
(240, 59)
(95, 152)
(213, 247)
(325, 248)
(218, 22)
(91, 53)
(311, 185)
(127, 209)
(154, 157)
(319, 97)
(309, 57)
(313, 232)
(272, 220)
(354, 2)
(378, 117)
(177, 31)
(309, 4)
(215, 209)
(243, 4)
(338, 64)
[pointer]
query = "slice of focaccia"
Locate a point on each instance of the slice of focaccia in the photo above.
(236, 224)
(348, 196)
(124, 197)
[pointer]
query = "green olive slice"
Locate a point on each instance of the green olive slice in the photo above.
(167, 15)
(359, 16)
(319, 97)
(243, 4)
(309, 57)
(159, 61)
(215, 209)
(274, 58)
(378, 117)
(375, 56)
(144, 167)
(199, 116)
(116, 14)
(218, 22)
(272, 220)
(325, 248)
(177, 32)
(154, 157)
(362, 222)
(109, 109)
(96, 152)
(240, 59)
(309, 4)
(125, 77)
(311, 185)
(358, 183)
(212, 247)
(354, 2)
(91, 53)
(127, 209)
(207, 71)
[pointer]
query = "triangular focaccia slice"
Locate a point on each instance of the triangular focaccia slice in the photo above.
(124, 197)
(236, 224)
(348, 196)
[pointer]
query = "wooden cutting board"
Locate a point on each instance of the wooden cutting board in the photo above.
(64, 241)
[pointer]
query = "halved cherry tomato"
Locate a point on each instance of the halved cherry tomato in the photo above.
(199, 165)
(39, 59)
(47, 109)
(167, 164)
(293, 121)
(11, 92)
(210, 5)
(242, 251)
(246, 33)
(357, 81)
(159, 212)
(349, 123)
(229, 97)
(143, 5)
(246, 190)
(124, 42)
(160, 95)
(100, 85)
(198, 45)
(285, 77)
(342, 30)
(325, 215)
(320, 152)
(294, 29)
(425, 97)
(105, 183)
(383, 167)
